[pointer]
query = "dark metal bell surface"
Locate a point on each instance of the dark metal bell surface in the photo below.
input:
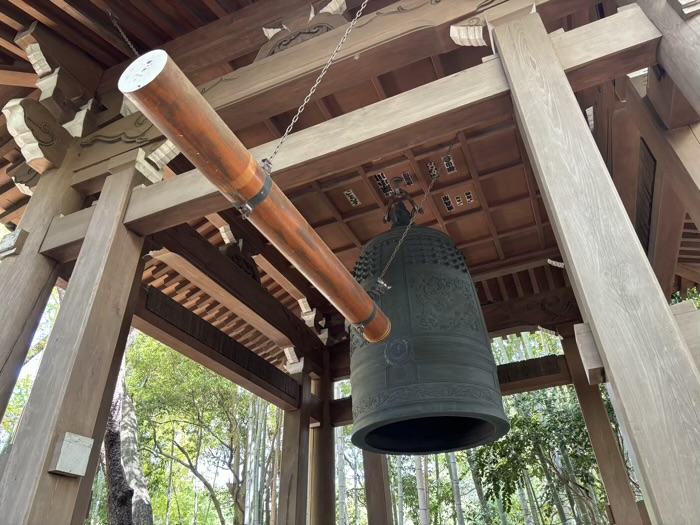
(432, 386)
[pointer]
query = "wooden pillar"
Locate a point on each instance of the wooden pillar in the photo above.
(377, 489)
(65, 417)
(322, 478)
(294, 476)
(610, 461)
(679, 49)
(625, 159)
(648, 363)
(27, 278)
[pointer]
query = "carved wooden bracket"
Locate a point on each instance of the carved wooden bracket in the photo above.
(301, 25)
(163, 154)
(68, 78)
(24, 176)
(42, 140)
(468, 33)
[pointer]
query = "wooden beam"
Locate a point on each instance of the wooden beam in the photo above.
(613, 469)
(172, 324)
(102, 30)
(390, 125)
(689, 272)
(684, 314)
(546, 309)
(294, 475)
(632, 325)
(679, 51)
(378, 488)
(87, 341)
(28, 275)
(7, 43)
(625, 159)
(676, 151)
(668, 216)
(202, 264)
(671, 106)
(232, 36)
(250, 95)
(17, 76)
(514, 378)
(322, 476)
(533, 374)
(77, 38)
(46, 51)
(273, 263)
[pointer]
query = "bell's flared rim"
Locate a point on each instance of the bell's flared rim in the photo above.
(489, 428)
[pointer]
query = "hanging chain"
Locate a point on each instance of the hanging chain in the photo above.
(267, 163)
(414, 216)
(122, 33)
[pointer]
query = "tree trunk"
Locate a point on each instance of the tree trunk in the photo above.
(275, 470)
(454, 475)
(552, 486)
(532, 498)
(119, 493)
(356, 489)
(485, 511)
(422, 495)
(426, 484)
(340, 470)
(97, 498)
(142, 510)
(399, 477)
(502, 511)
(523, 502)
(438, 494)
(196, 502)
(170, 479)
(578, 491)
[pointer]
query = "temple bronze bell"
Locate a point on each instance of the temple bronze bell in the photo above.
(432, 386)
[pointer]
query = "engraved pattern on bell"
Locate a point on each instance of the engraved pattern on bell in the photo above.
(398, 352)
(433, 386)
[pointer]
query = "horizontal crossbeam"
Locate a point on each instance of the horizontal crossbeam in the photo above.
(476, 95)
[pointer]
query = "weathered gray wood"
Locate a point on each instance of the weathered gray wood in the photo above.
(27, 278)
(79, 369)
(294, 474)
(656, 386)
(679, 52)
(685, 315)
(391, 125)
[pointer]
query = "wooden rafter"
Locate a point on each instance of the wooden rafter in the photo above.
(480, 94)
(165, 320)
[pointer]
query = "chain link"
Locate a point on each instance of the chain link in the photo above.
(414, 216)
(268, 162)
(123, 34)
